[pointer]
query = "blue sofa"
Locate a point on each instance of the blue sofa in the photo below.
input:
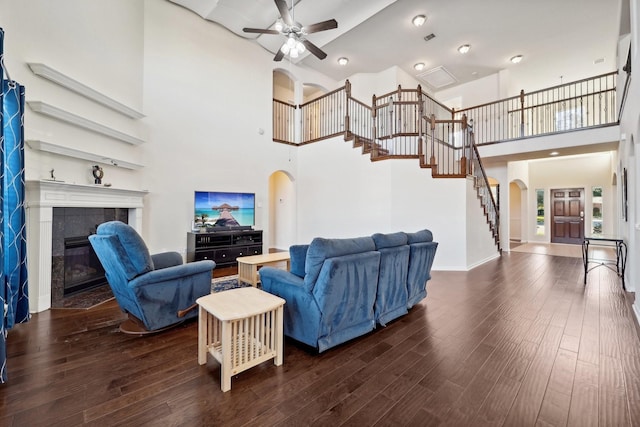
(338, 289)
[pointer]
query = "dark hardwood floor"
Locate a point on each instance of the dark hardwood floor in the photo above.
(518, 341)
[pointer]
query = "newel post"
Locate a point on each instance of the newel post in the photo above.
(463, 159)
(521, 112)
(347, 119)
(374, 124)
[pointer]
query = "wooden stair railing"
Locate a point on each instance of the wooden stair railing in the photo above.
(485, 195)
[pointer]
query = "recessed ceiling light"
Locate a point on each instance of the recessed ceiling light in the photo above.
(464, 48)
(418, 20)
(343, 61)
(516, 59)
(553, 153)
(419, 66)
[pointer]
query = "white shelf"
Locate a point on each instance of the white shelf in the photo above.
(70, 152)
(74, 119)
(67, 82)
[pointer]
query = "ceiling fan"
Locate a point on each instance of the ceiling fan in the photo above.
(295, 33)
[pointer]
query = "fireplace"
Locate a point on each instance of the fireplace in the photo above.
(82, 268)
(74, 265)
(46, 237)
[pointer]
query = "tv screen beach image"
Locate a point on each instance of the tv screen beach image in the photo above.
(223, 209)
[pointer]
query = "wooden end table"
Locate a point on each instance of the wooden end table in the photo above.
(248, 265)
(240, 328)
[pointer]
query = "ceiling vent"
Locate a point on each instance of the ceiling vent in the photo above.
(429, 37)
(437, 77)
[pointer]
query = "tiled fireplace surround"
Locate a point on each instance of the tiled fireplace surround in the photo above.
(41, 198)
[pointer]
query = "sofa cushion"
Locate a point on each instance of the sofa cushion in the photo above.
(298, 255)
(419, 236)
(132, 245)
(389, 240)
(321, 249)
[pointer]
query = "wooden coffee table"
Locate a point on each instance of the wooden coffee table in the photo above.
(248, 265)
(240, 328)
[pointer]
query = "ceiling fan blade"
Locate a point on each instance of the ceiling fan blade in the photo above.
(320, 26)
(279, 55)
(284, 12)
(259, 31)
(314, 49)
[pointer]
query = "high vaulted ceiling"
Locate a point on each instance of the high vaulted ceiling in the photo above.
(561, 40)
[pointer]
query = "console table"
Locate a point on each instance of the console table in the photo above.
(620, 262)
(223, 247)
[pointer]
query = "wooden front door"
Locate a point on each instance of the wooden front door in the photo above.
(567, 215)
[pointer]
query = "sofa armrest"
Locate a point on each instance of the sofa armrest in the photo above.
(273, 278)
(166, 259)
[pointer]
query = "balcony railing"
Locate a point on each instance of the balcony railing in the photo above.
(408, 123)
(572, 106)
(284, 122)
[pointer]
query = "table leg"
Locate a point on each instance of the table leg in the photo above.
(621, 260)
(279, 337)
(225, 365)
(203, 335)
(254, 275)
(585, 258)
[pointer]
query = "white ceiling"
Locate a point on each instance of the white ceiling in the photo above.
(569, 38)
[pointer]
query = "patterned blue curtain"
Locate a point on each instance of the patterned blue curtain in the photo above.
(14, 301)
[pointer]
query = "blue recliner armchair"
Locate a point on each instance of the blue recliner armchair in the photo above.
(157, 291)
(330, 290)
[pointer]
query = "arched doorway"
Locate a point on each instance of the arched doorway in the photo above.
(517, 211)
(282, 211)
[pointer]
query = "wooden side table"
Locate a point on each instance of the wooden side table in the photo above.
(240, 328)
(248, 265)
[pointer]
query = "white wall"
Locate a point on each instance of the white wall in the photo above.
(282, 211)
(481, 246)
(99, 44)
(515, 212)
(628, 150)
(343, 194)
(474, 93)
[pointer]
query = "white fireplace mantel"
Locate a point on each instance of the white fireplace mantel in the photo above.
(41, 197)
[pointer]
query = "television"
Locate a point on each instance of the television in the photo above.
(224, 210)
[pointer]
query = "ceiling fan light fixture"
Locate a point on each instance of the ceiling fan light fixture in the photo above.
(464, 48)
(278, 26)
(285, 48)
(516, 59)
(343, 61)
(294, 53)
(419, 66)
(419, 20)
(300, 47)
